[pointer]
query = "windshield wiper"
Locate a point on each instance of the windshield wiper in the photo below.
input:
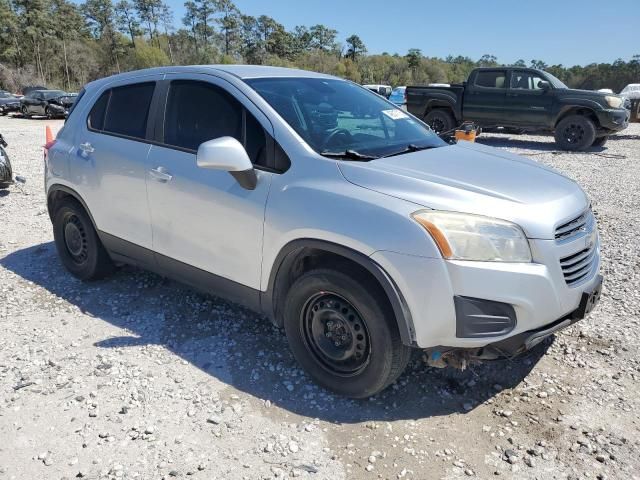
(409, 149)
(348, 154)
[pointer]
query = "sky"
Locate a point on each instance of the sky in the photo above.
(568, 32)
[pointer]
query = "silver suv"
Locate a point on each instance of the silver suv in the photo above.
(324, 206)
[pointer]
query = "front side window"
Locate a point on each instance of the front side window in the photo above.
(526, 81)
(335, 116)
(490, 79)
(198, 112)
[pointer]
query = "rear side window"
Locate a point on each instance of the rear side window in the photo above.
(491, 79)
(197, 112)
(128, 109)
(123, 110)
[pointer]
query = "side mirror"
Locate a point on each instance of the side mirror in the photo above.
(228, 154)
(544, 85)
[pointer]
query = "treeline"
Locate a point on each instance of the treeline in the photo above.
(62, 45)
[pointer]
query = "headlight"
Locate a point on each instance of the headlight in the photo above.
(614, 102)
(462, 236)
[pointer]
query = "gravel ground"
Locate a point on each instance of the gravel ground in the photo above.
(140, 377)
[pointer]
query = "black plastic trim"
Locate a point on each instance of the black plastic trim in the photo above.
(479, 318)
(269, 299)
(126, 252)
(63, 188)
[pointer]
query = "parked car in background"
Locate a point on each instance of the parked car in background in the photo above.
(49, 103)
(525, 99)
(605, 90)
(8, 102)
(631, 91)
(382, 90)
(398, 96)
(362, 237)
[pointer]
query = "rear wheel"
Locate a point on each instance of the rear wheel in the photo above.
(440, 121)
(343, 334)
(25, 112)
(600, 141)
(575, 132)
(77, 242)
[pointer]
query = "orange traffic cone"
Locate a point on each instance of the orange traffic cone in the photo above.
(48, 134)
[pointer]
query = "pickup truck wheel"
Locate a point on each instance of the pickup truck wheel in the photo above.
(342, 334)
(77, 242)
(600, 141)
(575, 132)
(440, 121)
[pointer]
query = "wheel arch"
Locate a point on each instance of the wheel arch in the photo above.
(577, 110)
(58, 192)
(300, 256)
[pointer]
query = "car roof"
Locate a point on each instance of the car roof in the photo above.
(243, 72)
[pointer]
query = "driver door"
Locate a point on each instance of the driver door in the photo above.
(204, 218)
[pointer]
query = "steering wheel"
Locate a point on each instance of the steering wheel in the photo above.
(337, 132)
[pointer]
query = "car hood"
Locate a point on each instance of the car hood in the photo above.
(477, 179)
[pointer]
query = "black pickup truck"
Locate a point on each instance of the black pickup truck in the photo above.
(522, 99)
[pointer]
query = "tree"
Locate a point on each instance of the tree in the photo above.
(356, 47)
(323, 38)
(229, 22)
(488, 60)
(126, 20)
(414, 56)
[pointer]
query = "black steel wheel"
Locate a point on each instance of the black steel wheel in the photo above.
(75, 238)
(575, 132)
(440, 120)
(342, 331)
(77, 242)
(335, 333)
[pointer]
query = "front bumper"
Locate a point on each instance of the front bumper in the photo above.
(615, 119)
(537, 291)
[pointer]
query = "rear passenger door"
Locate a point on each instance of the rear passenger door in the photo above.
(109, 160)
(204, 218)
(484, 97)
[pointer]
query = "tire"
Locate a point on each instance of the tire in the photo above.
(25, 112)
(77, 242)
(48, 113)
(575, 132)
(440, 120)
(600, 141)
(326, 306)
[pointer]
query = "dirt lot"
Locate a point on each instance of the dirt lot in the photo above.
(139, 377)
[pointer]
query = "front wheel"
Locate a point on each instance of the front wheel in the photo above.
(575, 132)
(343, 334)
(49, 113)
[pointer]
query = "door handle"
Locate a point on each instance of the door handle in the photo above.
(86, 148)
(160, 174)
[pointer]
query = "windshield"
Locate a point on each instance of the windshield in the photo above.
(335, 116)
(556, 82)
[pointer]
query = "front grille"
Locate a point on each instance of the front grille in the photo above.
(577, 266)
(574, 227)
